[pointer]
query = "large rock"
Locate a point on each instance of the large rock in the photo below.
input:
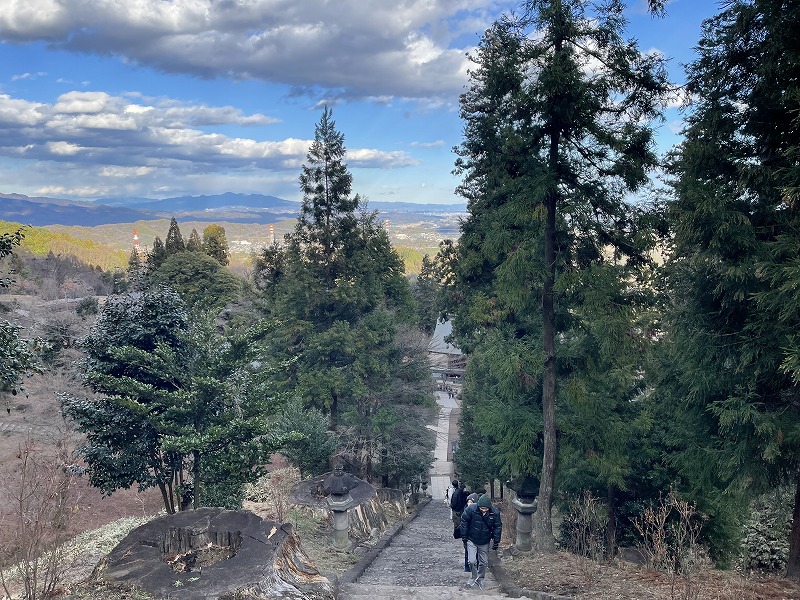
(213, 553)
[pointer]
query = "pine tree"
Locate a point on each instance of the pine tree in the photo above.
(551, 148)
(327, 214)
(338, 296)
(174, 242)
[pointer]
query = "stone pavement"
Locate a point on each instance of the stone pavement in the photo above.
(421, 561)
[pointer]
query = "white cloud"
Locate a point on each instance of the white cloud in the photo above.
(436, 144)
(86, 135)
(63, 148)
(355, 48)
(370, 158)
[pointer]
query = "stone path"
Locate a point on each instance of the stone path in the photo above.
(423, 561)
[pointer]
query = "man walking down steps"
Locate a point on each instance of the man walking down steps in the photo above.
(422, 562)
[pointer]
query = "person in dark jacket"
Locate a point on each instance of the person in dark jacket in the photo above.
(471, 499)
(458, 501)
(480, 526)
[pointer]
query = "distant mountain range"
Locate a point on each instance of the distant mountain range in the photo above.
(228, 207)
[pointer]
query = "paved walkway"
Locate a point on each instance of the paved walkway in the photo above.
(441, 473)
(423, 561)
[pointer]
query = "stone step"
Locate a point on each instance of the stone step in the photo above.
(357, 591)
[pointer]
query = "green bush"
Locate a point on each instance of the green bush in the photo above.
(765, 535)
(87, 306)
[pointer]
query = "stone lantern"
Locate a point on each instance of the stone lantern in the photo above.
(527, 489)
(337, 487)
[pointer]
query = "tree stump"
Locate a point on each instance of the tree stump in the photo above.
(214, 553)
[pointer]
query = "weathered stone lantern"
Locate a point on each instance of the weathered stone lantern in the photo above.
(527, 489)
(337, 487)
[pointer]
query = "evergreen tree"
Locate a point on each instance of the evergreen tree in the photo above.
(18, 356)
(556, 134)
(425, 288)
(201, 281)
(731, 353)
(168, 413)
(327, 214)
(215, 244)
(158, 254)
(194, 244)
(174, 242)
(337, 293)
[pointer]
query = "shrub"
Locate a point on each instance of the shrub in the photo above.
(87, 306)
(583, 528)
(765, 535)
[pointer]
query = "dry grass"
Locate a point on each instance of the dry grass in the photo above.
(569, 575)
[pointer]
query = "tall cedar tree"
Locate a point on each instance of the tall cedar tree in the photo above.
(157, 255)
(327, 216)
(174, 242)
(338, 291)
(732, 351)
(556, 135)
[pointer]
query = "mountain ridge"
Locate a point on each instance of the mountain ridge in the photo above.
(229, 206)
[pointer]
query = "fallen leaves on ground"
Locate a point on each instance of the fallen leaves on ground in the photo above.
(581, 579)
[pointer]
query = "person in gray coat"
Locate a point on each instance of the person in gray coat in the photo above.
(480, 526)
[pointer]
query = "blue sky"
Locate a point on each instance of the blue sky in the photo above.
(160, 98)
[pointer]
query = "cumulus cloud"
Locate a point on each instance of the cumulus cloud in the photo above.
(352, 48)
(115, 137)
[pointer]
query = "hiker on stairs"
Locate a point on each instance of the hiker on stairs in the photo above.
(480, 525)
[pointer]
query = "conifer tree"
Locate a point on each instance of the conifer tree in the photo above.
(731, 352)
(174, 242)
(158, 254)
(18, 356)
(215, 244)
(327, 214)
(557, 132)
(194, 244)
(167, 412)
(338, 295)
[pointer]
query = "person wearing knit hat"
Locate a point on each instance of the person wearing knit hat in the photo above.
(480, 525)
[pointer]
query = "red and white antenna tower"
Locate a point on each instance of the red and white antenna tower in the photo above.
(386, 224)
(136, 242)
(271, 234)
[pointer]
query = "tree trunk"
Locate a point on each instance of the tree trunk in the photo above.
(166, 496)
(196, 477)
(793, 564)
(611, 524)
(543, 525)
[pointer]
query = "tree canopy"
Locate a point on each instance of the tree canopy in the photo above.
(731, 348)
(338, 295)
(551, 148)
(169, 413)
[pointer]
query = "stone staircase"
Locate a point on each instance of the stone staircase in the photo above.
(420, 561)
